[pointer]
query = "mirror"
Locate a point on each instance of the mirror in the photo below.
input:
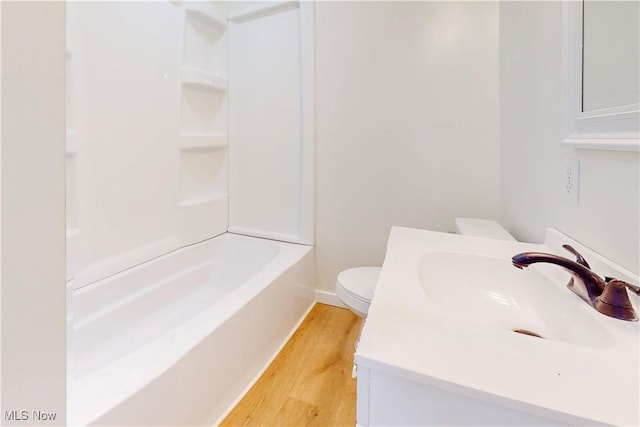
(601, 70)
(611, 42)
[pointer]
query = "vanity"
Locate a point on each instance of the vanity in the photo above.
(456, 335)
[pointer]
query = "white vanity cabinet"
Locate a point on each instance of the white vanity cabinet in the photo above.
(390, 400)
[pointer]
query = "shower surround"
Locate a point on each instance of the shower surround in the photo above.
(174, 142)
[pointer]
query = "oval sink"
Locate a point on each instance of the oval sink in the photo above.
(490, 291)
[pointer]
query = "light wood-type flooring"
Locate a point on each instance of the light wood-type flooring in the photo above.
(309, 383)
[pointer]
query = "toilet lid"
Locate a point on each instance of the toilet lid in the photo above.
(360, 281)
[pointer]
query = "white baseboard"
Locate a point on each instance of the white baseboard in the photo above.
(330, 298)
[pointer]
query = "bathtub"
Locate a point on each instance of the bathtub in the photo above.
(179, 339)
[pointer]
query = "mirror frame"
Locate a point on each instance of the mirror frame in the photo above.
(616, 128)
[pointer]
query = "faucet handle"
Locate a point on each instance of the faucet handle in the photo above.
(579, 258)
(633, 288)
(614, 300)
(583, 262)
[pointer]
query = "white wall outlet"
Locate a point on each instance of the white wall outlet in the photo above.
(572, 180)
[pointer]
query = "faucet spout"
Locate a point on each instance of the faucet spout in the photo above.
(593, 284)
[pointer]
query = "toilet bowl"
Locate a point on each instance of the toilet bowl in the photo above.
(355, 288)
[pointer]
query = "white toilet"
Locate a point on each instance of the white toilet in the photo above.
(355, 286)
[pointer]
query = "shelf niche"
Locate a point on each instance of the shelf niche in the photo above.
(204, 42)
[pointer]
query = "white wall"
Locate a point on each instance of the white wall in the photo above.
(407, 123)
(532, 160)
(33, 211)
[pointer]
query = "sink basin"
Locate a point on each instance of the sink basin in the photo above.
(490, 292)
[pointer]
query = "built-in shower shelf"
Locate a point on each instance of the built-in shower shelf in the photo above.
(203, 200)
(202, 80)
(206, 12)
(202, 143)
(72, 147)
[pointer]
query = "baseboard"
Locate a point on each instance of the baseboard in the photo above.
(329, 298)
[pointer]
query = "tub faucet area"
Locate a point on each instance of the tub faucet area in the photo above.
(607, 295)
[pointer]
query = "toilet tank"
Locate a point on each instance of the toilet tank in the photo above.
(482, 228)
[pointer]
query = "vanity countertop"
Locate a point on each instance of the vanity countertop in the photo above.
(407, 335)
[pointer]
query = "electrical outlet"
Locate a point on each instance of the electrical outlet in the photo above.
(572, 180)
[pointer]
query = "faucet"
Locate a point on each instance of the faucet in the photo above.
(607, 295)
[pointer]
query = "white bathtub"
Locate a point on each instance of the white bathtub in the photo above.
(177, 340)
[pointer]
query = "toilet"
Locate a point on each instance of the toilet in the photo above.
(355, 286)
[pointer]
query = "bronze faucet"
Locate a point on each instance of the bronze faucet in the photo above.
(608, 296)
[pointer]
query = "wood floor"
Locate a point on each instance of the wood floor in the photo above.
(309, 383)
